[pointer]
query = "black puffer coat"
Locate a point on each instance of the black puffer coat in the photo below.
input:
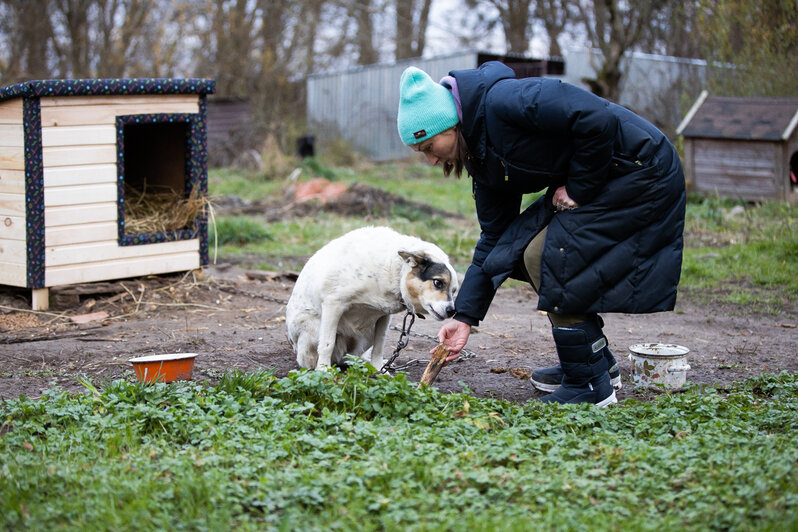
(621, 250)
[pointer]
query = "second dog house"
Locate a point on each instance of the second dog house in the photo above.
(79, 159)
(743, 148)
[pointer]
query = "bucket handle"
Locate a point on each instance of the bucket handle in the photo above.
(679, 369)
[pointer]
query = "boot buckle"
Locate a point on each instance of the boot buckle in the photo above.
(599, 344)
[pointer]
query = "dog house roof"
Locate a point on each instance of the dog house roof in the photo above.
(104, 87)
(725, 117)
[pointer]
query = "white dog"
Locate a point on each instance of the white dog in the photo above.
(344, 297)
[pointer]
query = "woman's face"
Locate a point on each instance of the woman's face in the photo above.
(440, 149)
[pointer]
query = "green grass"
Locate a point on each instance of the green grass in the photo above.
(760, 272)
(293, 240)
(748, 257)
(736, 252)
(233, 182)
(331, 451)
(238, 231)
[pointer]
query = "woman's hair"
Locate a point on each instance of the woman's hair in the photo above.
(461, 149)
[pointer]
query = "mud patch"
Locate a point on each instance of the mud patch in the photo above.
(359, 200)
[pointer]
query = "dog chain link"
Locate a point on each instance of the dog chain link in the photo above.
(403, 341)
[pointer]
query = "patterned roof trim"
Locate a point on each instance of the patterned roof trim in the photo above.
(104, 87)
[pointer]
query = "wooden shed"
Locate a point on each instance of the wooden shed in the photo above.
(70, 153)
(742, 147)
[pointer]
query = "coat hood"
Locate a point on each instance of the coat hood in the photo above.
(473, 85)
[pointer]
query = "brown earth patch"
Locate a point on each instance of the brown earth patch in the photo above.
(358, 199)
(237, 321)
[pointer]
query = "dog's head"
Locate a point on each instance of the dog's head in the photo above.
(428, 283)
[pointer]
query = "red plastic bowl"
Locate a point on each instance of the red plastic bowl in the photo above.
(164, 368)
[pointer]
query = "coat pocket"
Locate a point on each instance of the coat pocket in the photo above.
(623, 164)
(499, 172)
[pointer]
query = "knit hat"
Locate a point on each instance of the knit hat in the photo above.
(426, 108)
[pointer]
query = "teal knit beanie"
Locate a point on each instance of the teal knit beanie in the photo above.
(426, 108)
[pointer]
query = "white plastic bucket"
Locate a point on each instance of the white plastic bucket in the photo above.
(657, 363)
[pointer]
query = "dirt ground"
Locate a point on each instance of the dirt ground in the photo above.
(234, 318)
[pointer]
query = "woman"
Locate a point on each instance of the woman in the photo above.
(607, 235)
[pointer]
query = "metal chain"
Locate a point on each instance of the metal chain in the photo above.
(403, 340)
(464, 354)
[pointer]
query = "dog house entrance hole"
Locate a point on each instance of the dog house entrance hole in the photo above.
(157, 198)
(794, 172)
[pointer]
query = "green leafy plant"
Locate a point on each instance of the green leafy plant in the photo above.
(358, 450)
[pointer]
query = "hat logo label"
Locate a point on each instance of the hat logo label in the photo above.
(420, 133)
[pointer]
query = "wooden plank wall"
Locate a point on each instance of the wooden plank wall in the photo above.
(226, 117)
(13, 261)
(80, 191)
(737, 169)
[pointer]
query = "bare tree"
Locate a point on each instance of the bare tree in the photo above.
(356, 22)
(759, 39)
(313, 19)
(164, 46)
(276, 24)
(555, 16)
(73, 44)
(132, 40)
(27, 32)
(232, 38)
(614, 27)
(362, 12)
(412, 18)
(515, 17)
(675, 30)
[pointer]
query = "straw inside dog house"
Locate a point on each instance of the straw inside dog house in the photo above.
(81, 161)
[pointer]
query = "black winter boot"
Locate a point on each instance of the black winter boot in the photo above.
(548, 379)
(584, 366)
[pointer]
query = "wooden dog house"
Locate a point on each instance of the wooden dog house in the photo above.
(70, 150)
(742, 147)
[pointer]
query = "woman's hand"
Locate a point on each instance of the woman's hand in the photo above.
(561, 200)
(455, 335)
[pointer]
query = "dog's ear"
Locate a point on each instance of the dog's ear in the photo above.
(413, 258)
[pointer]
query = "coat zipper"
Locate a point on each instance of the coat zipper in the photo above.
(506, 170)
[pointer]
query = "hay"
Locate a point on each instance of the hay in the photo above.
(161, 210)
